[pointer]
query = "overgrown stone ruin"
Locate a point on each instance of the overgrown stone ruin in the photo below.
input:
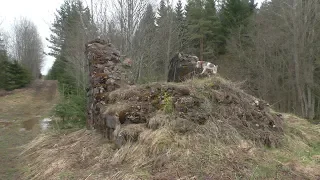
(121, 111)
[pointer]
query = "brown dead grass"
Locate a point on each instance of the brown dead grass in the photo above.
(163, 154)
(22, 108)
(168, 147)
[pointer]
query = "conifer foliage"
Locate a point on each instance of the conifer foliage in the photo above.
(12, 74)
(72, 28)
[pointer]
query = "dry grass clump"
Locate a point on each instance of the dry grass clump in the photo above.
(236, 113)
(298, 155)
(166, 154)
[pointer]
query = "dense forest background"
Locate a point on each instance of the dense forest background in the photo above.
(274, 49)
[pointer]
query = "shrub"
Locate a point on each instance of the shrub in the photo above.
(72, 111)
(13, 75)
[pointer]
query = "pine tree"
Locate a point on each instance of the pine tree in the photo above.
(252, 5)
(181, 24)
(144, 43)
(163, 32)
(3, 62)
(235, 16)
(2, 46)
(16, 76)
(179, 12)
(146, 31)
(162, 12)
(59, 28)
(236, 12)
(203, 26)
(71, 29)
(213, 36)
(58, 40)
(147, 27)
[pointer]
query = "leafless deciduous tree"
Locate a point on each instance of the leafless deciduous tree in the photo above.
(151, 47)
(144, 48)
(280, 55)
(27, 45)
(101, 14)
(128, 14)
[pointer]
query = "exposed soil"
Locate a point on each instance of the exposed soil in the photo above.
(20, 113)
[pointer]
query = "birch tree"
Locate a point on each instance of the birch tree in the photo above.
(101, 15)
(28, 47)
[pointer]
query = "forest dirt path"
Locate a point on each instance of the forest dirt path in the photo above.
(21, 119)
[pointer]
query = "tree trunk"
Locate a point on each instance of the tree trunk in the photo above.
(139, 69)
(296, 64)
(166, 64)
(201, 49)
(311, 104)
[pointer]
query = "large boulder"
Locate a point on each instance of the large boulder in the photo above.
(182, 67)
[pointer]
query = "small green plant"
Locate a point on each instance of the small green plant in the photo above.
(66, 175)
(168, 103)
(72, 111)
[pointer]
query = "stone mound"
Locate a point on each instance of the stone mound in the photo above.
(187, 107)
(121, 111)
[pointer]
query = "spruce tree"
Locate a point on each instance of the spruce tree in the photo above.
(235, 16)
(203, 26)
(72, 24)
(12, 74)
(147, 27)
(3, 66)
(3, 63)
(162, 35)
(16, 76)
(146, 31)
(162, 12)
(214, 35)
(59, 30)
(146, 48)
(181, 24)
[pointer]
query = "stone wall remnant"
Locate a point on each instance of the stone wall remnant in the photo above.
(106, 74)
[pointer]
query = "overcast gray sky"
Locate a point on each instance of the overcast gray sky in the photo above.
(41, 12)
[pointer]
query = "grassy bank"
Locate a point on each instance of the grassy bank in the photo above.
(22, 107)
(176, 148)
